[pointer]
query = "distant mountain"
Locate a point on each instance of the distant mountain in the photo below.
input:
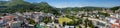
(115, 8)
(23, 6)
(91, 7)
(17, 2)
(87, 8)
(2, 3)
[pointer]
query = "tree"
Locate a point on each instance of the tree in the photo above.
(31, 21)
(90, 24)
(80, 27)
(86, 23)
(46, 20)
(79, 21)
(56, 21)
(105, 14)
(115, 8)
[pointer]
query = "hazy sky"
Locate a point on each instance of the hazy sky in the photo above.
(80, 3)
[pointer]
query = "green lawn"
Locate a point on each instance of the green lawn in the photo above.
(63, 19)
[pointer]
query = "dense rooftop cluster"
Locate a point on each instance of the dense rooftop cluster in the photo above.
(22, 14)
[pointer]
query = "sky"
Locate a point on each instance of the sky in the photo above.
(79, 3)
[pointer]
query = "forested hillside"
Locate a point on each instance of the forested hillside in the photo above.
(23, 6)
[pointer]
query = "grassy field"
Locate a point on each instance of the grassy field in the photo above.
(64, 19)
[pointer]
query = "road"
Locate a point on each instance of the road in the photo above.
(93, 19)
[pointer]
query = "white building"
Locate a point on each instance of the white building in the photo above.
(68, 27)
(15, 24)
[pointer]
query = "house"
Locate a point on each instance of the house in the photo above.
(10, 21)
(68, 26)
(9, 17)
(118, 11)
(99, 24)
(15, 24)
(40, 25)
(101, 17)
(1, 23)
(115, 22)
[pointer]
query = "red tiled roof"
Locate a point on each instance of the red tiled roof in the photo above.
(8, 17)
(113, 25)
(117, 21)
